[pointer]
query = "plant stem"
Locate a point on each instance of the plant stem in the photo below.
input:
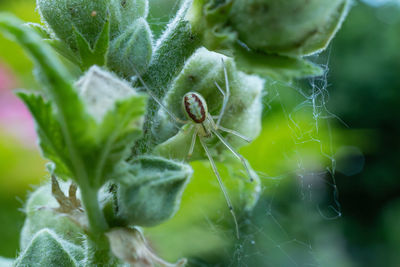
(171, 51)
(96, 219)
(98, 248)
(98, 252)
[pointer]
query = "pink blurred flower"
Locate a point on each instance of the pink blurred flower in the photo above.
(15, 118)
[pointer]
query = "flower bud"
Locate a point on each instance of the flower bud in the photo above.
(88, 18)
(41, 214)
(200, 74)
(293, 28)
(66, 16)
(125, 12)
(100, 90)
(48, 249)
(285, 27)
(152, 191)
(132, 50)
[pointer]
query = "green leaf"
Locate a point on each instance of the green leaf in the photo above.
(75, 123)
(96, 55)
(116, 134)
(118, 111)
(40, 29)
(51, 140)
(47, 249)
(77, 126)
(275, 66)
(57, 82)
(64, 50)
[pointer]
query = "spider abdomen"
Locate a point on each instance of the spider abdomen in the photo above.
(195, 107)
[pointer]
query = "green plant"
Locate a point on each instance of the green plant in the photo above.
(115, 149)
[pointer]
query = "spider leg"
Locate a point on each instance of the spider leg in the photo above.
(192, 144)
(172, 115)
(221, 184)
(240, 157)
(245, 138)
(225, 94)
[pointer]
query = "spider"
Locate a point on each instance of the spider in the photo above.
(205, 127)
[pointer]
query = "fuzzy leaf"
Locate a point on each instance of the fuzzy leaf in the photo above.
(275, 66)
(75, 123)
(63, 49)
(47, 249)
(96, 55)
(40, 29)
(92, 147)
(49, 131)
(118, 110)
(117, 133)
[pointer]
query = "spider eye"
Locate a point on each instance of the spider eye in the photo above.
(195, 107)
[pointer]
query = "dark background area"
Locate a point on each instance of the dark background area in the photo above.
(365, 92)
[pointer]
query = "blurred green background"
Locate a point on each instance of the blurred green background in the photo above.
(327, 158)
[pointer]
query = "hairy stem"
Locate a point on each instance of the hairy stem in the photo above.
(98, 252)
(98, 249)
(95, 216)
(171, 51)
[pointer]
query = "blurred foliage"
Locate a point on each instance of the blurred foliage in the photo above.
(21, 167)
(365, 92)
(290, 225)
(10, 52)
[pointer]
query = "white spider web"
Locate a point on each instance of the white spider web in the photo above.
(287, 231)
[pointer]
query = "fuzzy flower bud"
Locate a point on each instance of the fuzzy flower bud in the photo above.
(293, 28)
(151, 191)
(200, 74)
(88, 17)
(41, 213)
(131, 50)
(48, 249)
(285, 27)
(88, 28)
(65, 17)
